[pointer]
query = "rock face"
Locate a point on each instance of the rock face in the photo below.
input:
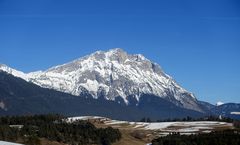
(112, 75)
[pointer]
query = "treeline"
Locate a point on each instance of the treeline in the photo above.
(236, 124)
(29, 130)
(227, 137)
(188, 118)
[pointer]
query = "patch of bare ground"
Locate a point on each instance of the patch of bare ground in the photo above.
(48, 142)
(131, 138)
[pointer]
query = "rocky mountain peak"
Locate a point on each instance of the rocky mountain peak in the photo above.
(113, 74)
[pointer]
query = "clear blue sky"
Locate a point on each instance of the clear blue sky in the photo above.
(197, 42)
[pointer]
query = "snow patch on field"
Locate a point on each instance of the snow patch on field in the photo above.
(235, 113)
(163, 127)
(72, 119)
(8, 143)
(157, 126)
(112, 122)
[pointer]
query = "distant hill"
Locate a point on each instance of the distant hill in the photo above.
(231, 110)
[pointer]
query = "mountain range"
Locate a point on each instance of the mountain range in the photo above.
(114, 83)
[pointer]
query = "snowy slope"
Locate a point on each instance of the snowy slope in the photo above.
(111, 74)
(14, 72)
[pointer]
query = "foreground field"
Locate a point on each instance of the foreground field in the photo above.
(58, 130)
(141, 133)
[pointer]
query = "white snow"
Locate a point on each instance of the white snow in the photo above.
(219, 103)
(185, 126)
(235, 113)
(157, 126)
(14, 72)
(72, 119)
(8, 143)
(115, 122)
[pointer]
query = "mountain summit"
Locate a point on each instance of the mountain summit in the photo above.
(112, 75)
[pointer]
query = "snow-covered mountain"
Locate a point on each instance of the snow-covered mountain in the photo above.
(14, 72)
(111, 74)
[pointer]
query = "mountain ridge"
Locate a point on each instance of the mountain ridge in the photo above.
(19, 97)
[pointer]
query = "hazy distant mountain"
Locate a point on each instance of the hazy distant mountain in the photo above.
(113, 75)
(231, 110)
